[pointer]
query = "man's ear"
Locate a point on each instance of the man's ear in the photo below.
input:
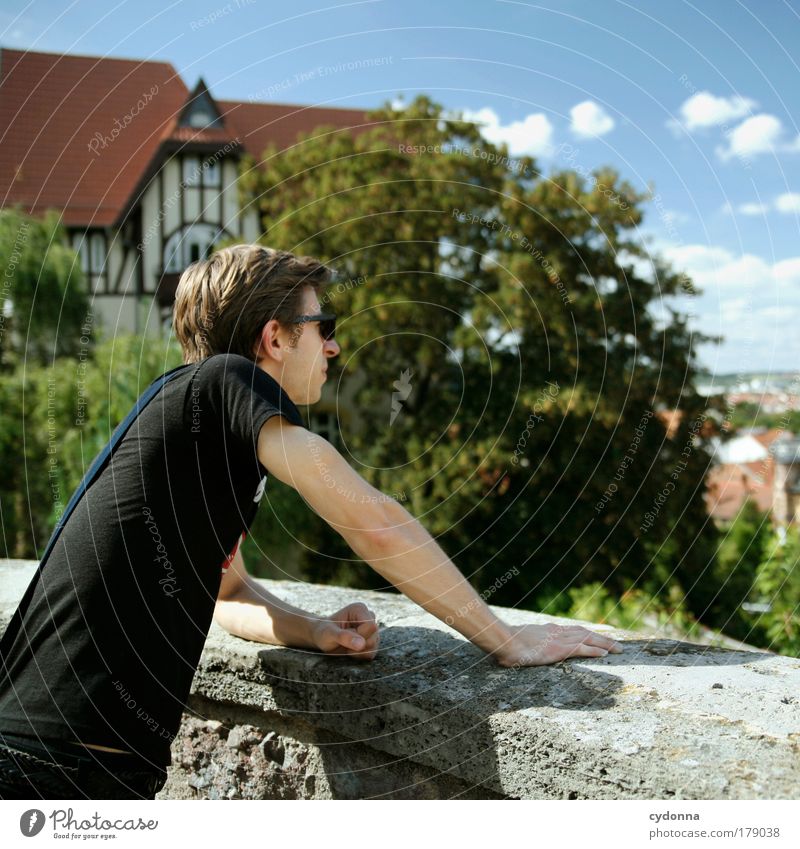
(272, 342)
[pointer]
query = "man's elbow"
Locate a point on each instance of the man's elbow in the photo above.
(224, 616)
(384, 531)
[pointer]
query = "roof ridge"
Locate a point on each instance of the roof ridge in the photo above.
(360, 110)
(24, 52)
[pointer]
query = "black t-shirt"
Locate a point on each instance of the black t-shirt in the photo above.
(109, 634)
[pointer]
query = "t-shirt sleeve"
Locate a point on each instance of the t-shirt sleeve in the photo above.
(231, 396)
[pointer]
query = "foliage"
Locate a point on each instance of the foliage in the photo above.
(749, 415)
(742, 548)
(44, 291)
(55, 420)
(634, 610)
(777, 585)
(514, 308)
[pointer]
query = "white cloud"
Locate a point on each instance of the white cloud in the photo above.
(788, 203)
(759, 134)
(787, 270)
(700, 258)
(533, 135)
(705, 110)
(753, 304)
(590, 119)
(753, 209)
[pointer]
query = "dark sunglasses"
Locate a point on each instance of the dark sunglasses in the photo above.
(327, 323)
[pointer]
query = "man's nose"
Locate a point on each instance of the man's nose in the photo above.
(332, 348)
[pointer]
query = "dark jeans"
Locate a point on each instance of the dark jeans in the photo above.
(30, 769)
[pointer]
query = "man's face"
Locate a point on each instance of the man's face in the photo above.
(305, 365)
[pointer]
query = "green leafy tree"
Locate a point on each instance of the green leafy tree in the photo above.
(777, 586)
(742, 549)
(56, 418)
(45, 303)
(511, 371)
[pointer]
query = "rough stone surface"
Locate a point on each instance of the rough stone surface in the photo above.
(433, 717)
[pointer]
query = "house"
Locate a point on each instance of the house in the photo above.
(143, 171)
(786, 503)
(761, 465)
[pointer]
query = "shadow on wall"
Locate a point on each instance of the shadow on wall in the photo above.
(454, 710)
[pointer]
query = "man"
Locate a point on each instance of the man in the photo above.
(99, 658)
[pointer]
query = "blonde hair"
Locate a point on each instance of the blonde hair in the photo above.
(223, 302)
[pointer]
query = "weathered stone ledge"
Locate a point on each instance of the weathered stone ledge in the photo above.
(433, 717)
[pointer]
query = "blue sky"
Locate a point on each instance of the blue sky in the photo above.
(701, 100)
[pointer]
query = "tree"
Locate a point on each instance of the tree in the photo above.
(742, 550)
(777, 586)
(56, 418)
(512, 370)
(44, 291)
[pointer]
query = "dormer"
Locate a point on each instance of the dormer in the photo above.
(200, 112)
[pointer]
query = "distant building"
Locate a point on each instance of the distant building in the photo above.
(145, 175)
(786, 503)
(143, 171)
(771, 401)
(763, 466)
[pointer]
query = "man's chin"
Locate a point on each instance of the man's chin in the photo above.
(311, 398)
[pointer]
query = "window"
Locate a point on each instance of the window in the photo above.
(190, 244)
(199, 173)
(92, 254)
(191, 171)
(201, 113)
(326, 425)
(212, 175)
(98, 251)
(200, 118)
(81, 249)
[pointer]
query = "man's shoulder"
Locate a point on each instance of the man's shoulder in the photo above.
(226, 361)
(230, 377)
(226, 367)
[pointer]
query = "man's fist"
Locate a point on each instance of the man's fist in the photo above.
(351, 631)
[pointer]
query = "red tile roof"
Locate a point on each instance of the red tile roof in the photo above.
(730, 484)
(767, 437)
(258, 124)
(79, 133)
(52, 107)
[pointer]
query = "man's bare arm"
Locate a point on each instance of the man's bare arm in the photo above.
(398, 547)
(246, 609)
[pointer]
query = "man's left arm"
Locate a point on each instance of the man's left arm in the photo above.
(246, 609)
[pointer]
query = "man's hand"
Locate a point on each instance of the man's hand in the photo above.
(538, 645)
(351, 631)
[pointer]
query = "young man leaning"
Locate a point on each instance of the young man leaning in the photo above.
(98, 660)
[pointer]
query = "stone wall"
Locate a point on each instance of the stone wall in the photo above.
(433, 717)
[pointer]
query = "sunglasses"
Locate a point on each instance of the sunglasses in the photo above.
(327, 323)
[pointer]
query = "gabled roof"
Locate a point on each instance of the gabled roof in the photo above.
(83, 134)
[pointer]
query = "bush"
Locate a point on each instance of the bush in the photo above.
(634, 610)
(777, 585)
(56, 419)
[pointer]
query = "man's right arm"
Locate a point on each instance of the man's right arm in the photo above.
(385, 535)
